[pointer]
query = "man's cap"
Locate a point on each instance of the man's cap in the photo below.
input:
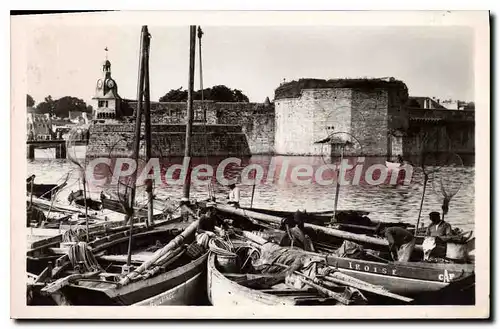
(211, 204)
(434, 214)
(184, 199)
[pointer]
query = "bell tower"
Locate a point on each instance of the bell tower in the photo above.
(107, 100)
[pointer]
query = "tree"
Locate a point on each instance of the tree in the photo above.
(30, 102)
(47, 106)
(63, 106)
(218, 93)
(239, 96)
(67, 104)
(175, 95)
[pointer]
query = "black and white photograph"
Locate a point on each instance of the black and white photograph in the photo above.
(251, 161)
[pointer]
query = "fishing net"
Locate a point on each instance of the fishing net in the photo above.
(448, 180)
(273, 257)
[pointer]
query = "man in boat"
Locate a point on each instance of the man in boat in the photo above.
(102, 196)
(207, 225)
(437, 233)
(401, 242)
(400, 159)
(438, 228)
(187, 212)
(294, 227)
(234, 195)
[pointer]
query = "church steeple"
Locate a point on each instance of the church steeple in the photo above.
(106, 67)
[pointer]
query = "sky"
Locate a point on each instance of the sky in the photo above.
(434, 61)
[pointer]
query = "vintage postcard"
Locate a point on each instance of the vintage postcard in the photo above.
(250, 165)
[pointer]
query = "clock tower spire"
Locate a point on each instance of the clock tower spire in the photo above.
(106, 96)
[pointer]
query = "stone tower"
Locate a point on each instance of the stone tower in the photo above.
(107, 101)
(314, 114)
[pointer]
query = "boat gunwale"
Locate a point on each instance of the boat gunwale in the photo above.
(251, 294)
(118, 290)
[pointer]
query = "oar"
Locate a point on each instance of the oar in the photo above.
(317, 284)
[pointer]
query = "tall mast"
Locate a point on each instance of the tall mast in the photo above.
(189, 123)
(138, 119)
(140, 89)
(147, 123)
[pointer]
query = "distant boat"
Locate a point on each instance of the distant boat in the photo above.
(45, 191)
(392, 165)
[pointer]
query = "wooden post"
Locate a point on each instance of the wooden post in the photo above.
(338, 185)
(31, 151)
(253, 188)
(85, 203)
(63, 151)
(189, 123)
(147, 124)
(426, 177)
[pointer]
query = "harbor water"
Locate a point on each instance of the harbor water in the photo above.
(384, 202)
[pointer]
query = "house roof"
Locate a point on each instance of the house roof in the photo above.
(75, 114)
(418, 101)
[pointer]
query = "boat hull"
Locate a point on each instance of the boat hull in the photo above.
(94, 292)
(408, 279)
(224, 292)
(187, 293)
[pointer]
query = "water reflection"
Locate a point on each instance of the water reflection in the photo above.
(384, 202)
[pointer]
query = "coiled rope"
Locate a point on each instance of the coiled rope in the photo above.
(82, 258)
(221, 247)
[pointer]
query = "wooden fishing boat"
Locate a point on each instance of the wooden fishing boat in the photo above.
(45, 191)
(160, 273)
(393, 165)
(408, 278)
(405, 278)
(230, 284)
(222, 291)
(356, 221)
(44, 244)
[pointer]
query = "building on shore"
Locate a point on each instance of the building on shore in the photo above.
(376, 115)
(39, 126)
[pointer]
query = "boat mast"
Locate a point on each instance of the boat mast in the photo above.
(140, 89)
(189, 123)
(147, 123)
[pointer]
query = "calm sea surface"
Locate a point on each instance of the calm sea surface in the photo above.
(384, 202)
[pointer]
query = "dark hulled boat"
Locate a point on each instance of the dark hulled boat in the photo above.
(413, 278)
(106, 285)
